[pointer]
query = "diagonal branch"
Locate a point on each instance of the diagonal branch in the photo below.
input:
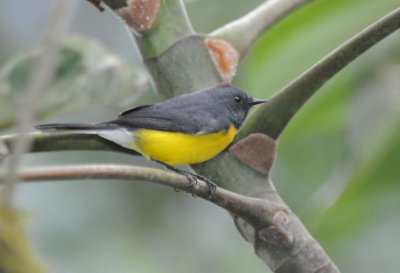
(258, 212)
(272, 117)
(243, 32)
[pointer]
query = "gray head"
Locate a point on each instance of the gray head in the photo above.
(237, 102)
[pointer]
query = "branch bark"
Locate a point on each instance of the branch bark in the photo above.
(258, 212)
(243, 32)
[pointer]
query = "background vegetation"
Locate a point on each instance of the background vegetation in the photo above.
(342, 149)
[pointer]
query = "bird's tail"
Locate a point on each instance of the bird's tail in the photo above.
(110, 131)
(75, 126)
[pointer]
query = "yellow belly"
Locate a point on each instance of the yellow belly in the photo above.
(180, 149)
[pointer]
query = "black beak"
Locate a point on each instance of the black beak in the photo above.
(256, 101)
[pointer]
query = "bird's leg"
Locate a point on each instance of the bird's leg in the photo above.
(192, 178)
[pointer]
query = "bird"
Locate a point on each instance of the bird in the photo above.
(186, 129)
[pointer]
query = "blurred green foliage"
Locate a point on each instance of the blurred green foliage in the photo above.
(337, 168)
(87, 76)
(16, 254)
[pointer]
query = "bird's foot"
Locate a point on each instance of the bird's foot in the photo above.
(193, 178)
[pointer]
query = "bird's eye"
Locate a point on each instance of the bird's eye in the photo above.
(238, 99)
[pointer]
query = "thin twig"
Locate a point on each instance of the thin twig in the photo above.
(243, 32)
(40, 78)
(255, 210)
(3, 151)
(272, 117)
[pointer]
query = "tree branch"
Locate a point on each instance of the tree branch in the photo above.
(62, 141)
(258, 212)
(243, 32)
(164, 36)
(272, 117)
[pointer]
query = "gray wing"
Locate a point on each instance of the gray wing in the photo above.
(187, 117)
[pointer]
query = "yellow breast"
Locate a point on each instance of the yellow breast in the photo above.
(179, 148)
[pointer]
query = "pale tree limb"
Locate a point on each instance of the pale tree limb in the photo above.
(40, 77)
(243, 32)
(258, 212)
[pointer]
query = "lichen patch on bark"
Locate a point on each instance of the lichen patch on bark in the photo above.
(224, 56)
(140, 14)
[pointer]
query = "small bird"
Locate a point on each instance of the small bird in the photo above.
(186, 129)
